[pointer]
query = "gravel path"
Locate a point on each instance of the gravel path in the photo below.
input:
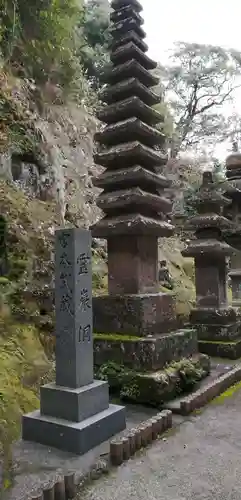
(200, 460)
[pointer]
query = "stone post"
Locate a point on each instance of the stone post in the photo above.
(75, 414)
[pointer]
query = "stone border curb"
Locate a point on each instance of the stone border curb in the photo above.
(202, 396)
(144, 434)
(66, 487)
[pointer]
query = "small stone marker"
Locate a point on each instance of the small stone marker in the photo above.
(75, 414)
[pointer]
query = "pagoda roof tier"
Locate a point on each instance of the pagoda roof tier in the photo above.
(131, 69)
(124, 13)
(131, 36)
(130, 51)
(233, 174)
(233, 237)
(233, 161)
(131, 177)
(133, 127)
(134, 224)
(210, 197)
(206, 221)
(202, 248)
(122, 110)
(130, 154)
(232, 191)
(119, 4)
(133, 200)
(235, 273)
(126, 89)
(129, 24)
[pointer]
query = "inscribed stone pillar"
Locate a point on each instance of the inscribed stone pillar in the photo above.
(75, 414)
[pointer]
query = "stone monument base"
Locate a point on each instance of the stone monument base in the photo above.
(146, 354)
(218, 331)
(74, 420)
(141, 314)
(74, 437)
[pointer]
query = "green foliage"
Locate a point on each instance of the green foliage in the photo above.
(154, 388)
(199, 80)
(39, 40)
(94, 52)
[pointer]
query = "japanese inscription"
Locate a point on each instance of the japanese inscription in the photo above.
(73, 304)
(83, 263)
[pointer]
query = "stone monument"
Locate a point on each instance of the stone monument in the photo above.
(134, 202)
(75, 414)
(217, 324)
(233, 237)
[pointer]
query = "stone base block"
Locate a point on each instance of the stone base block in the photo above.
(211, 316)
(222, 333)
(155, 388)
(74, 437)
(229, 350)
(145, 354)
(139, 315)
(74, 404)
(236, 302)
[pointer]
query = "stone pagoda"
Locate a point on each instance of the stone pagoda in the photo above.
(133, 198)
(217, 324)
(233, 237)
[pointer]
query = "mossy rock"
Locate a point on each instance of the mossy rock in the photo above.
(157, 387)
(22, 366)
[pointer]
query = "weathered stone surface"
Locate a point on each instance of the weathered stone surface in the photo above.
(223, 333)
(132, 106)
(141, 315)
(130, 51)
(119, 4)
(130, 36)
(131, 153)
(145, 354)
(135, 225)
(131, 69)
(125, 12)
(154, 388)
(71, 436)
(125, 25)
(126, 89)
(124, 178)
(206, 316)
(230, 350)
(207, 247)
(132, 200)
(134, 128)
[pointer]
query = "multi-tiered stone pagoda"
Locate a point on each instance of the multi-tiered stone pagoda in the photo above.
(233, 237)
(217, 324)
(133, 199)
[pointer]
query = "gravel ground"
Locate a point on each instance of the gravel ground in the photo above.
(200, 460)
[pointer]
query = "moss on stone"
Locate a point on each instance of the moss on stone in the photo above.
(227, 394)
(22, 366)
(112, 337)
(217, 342)
(157, 387)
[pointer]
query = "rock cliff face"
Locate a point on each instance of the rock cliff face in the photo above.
(46, 166)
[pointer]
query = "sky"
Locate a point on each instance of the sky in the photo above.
(215, 22)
